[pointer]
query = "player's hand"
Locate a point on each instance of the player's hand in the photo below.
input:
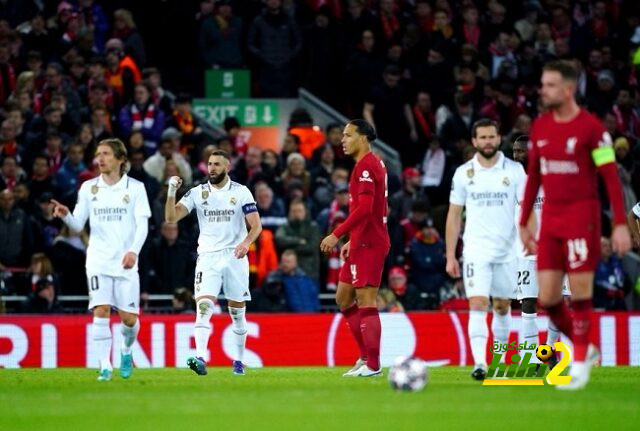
(344, 251)
(59, 210)
(241, 250)
(453, 267)
(174, 184)
(328, 243)
(621, 240)
(129, 260)
(529, 241)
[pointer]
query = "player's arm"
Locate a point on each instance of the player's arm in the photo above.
(604, 157)
(255, 227)
(367, 113)
(78, 218)
(173, 212)
(452, 233)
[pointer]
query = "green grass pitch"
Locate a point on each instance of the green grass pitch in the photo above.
(306, 399)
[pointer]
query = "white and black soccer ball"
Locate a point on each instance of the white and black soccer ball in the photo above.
(408, 374)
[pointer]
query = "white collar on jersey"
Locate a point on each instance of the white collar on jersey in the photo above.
(500, 164)
(123, 183)
(213, 189)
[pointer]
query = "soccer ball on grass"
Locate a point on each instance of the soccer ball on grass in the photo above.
(408, 374)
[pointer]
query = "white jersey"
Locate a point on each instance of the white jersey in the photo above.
(636, 209)
(221, 214)
(112, 211)
(537, 209)
(490, 196)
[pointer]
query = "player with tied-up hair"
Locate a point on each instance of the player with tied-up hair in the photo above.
(569, 148)
(118, 211)
(224, 208)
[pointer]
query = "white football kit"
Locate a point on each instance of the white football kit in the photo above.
(118, 217)
(221, 218)
(490, 196)
(527, 272)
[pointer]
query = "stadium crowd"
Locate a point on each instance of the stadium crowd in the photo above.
(421, 71)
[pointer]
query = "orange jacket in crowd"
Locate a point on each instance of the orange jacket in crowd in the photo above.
(262, 257)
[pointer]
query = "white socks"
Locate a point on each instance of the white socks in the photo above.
(239, 330)
(101, 335)
(129, 335)
(202, 328)
(478, 334)
(530, 333)
(500, 326)
(553, 333)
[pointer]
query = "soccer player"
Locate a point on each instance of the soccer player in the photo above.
(365, 252)
(569, 147)
(488, 186)
(527, 275)
(118, 211)
(224, 208)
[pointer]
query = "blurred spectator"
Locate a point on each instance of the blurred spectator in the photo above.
(220, 38)
(436, 174)
(275, 40)
(247, 169)
(270, 208)
(10, 173)
(627, 119)
(321, 187)
(155, 165)
(124, 29)
(143, 115)
(239, 140)
(301, 292)
(610, 284)
(269, 297)
(136, 171)
(41, 179)
(458, 125)
(9, 145)
(363, 71)
(602, 98)
(16, 234)
(262, 258)
(42, 297)
(202, 168)
(387, 109)
(159, 96)
(183, 303)
(295, 170)
(333, 132)
(92, 16)
(310, 136)
(303, 236)
(339, 205)
(122, 72)
(69, 252)
(425, 120)
(406, 230)
(427, 259)
(407, 293)
(187, 126)
(387, 301)
(7, 74)
(401, 202)
(56, 82)
(47, 226)
(170, 262)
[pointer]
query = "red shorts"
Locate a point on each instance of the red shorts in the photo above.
(364, 267)
(570, 237)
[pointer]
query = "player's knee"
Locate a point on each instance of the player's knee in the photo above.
(204, 312)
(501, 308)
(478, 303)
(529, 305)
(103, 311)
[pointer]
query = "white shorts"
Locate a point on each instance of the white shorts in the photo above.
(222, 270)
(120, 292)
(487, 279)
(528, 280)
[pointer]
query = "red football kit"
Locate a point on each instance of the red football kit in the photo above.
(366, 224)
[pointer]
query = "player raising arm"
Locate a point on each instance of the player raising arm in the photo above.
(224, 208)
(569, 147)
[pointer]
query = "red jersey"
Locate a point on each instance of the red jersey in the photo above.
(564, 158)
(367, 226)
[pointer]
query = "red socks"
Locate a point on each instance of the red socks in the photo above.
(371, 330)
(581, 324)
(352, 316)
(560, 315)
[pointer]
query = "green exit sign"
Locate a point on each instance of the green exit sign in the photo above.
(227, 84)
(250, 112)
